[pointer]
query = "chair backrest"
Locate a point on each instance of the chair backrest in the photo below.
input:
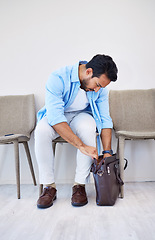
(17, 114)
(133, 110)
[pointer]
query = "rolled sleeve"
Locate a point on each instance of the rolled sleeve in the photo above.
(54, 100)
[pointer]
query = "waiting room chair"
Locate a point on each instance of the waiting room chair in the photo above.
(133, 115)
(17, 121)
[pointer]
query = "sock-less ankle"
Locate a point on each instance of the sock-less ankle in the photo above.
(79, 184)
(51, 185)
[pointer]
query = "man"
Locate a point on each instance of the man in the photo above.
(76, 104)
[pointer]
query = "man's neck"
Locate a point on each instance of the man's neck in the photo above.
(82, 68)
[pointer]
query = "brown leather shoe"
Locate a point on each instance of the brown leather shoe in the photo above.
(47, 197)
(79, 197)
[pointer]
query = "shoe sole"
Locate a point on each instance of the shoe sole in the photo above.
(79, 204)
(46, 206)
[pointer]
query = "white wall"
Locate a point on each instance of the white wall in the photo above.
(37, 37)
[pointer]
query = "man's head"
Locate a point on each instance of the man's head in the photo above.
(97, 73)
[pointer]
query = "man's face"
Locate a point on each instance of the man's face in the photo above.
(94, 84)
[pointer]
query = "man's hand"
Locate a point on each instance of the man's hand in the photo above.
(90, 151)
(66, 133)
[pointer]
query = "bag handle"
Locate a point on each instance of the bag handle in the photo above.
(96, 166)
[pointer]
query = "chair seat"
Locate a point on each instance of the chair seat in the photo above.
(11, 138)
(136, 135)
(59, 140)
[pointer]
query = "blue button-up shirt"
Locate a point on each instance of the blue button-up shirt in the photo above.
(61, 90)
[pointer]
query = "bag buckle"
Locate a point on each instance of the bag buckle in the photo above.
(108, 170)
(100, 173)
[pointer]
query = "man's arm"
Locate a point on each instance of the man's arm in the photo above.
(66, 133)
(106, 135)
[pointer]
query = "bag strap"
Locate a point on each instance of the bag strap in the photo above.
(126, 163)
(120, 181)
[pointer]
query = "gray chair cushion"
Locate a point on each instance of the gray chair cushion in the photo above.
(10, 139)
(138, 135)
(133, 111)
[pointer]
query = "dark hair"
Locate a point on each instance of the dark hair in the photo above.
(103, 64)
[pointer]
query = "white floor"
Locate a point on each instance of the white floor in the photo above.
(131, 218)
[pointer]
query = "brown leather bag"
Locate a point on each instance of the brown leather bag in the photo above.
(107, 179)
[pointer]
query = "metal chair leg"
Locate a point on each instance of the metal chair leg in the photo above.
(121, 158)
(29, 161)
(54, 148)
(40, 189)
(117, 151)
(16, 150)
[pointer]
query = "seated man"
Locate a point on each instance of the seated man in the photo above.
(76, 104)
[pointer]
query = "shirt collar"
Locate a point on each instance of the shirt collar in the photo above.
(75, 71)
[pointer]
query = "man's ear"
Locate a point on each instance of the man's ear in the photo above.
(89, 72)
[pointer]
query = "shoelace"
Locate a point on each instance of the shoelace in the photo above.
(78, 190)
(46, 191)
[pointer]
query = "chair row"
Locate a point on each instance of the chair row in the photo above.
(132, 112)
